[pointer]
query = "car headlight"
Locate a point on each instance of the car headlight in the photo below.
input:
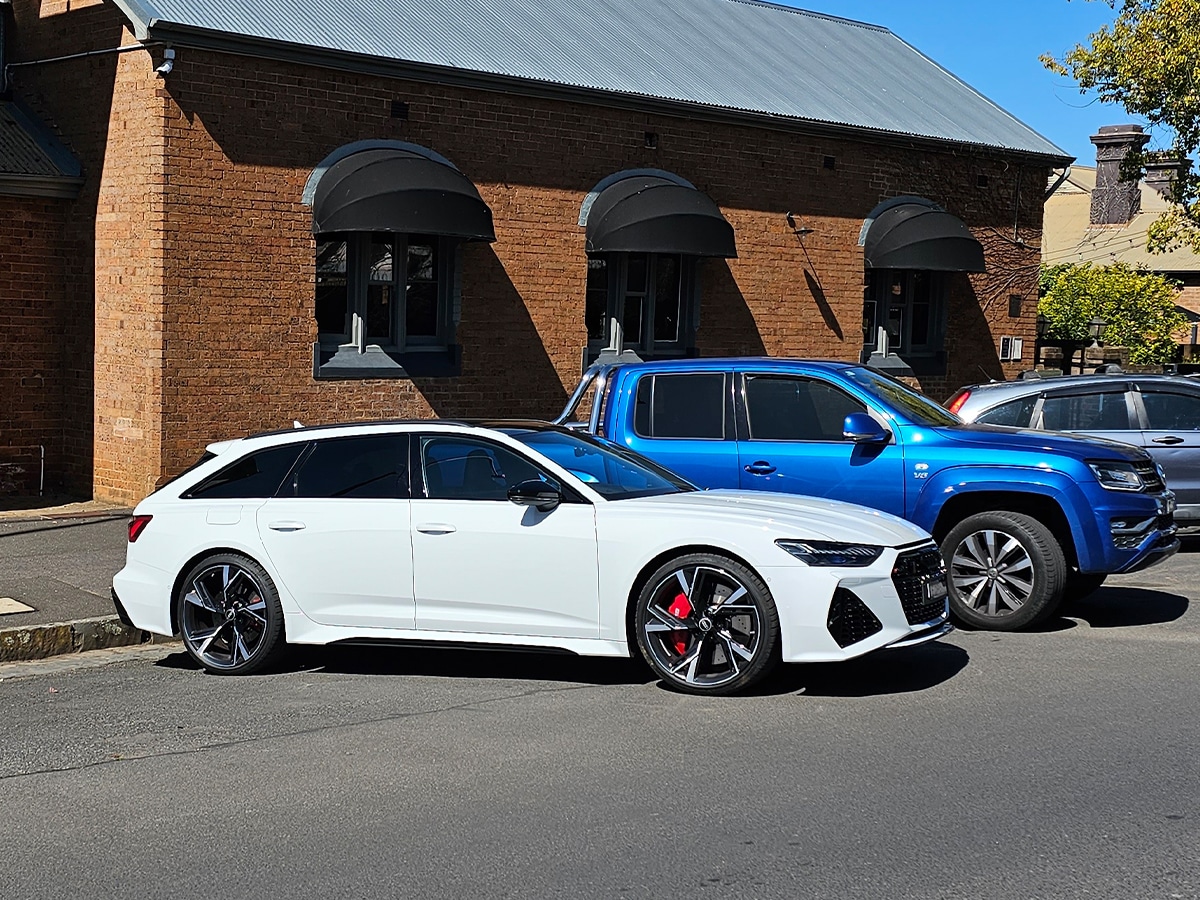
(831, 553)
(1116, 475)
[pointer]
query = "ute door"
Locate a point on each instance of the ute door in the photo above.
(338, 532)
(684, 421)
(484, 564)
(1172, 435)
(791, 441)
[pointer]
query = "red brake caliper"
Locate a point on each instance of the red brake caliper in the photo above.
(681, 608)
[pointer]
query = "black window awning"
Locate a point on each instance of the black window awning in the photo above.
(651, 214)
(399, 191)
(921, 236)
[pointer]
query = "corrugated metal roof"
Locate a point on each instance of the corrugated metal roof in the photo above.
(740, 55)
(28, 148)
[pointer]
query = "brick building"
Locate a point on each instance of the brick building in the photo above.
(324, 212)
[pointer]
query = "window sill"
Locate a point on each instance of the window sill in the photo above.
(346, 363)
(908, 365)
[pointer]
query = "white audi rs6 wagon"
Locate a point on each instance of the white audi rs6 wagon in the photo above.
(514, 534)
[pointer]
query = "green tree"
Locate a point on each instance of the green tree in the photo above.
(1138, 306)
(1148, 61)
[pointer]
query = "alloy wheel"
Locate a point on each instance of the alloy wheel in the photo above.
(223, 616)
(702, 626)
(993, 572)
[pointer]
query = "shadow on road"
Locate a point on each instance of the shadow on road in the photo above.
(1113, 607)
(887, 672)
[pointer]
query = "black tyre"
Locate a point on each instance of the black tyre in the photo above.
(229, 615)
(1006, 571)
(707, 625)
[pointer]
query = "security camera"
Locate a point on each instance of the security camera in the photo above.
(167, 65)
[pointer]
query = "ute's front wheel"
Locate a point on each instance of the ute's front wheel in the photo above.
(229, 615)
(707, 625)
(1006, 571)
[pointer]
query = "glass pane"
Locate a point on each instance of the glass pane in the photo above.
(793, 409)
(920, 325)
(688, 406)
(631, 321)
(379, 313)
(635, 273)
(465, 469)
(667, 303)
(422, 262)
(596, 305)
(372, 467)
(331, 297)
(1014, 412)
(255, 476)
(869, 326)
(421, 310)
(381, 259)
(895, 328)
(1086, 412)
(1172, 412)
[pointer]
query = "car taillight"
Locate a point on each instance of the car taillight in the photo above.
(137, 525)
(957, 403)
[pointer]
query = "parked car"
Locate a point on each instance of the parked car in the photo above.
(1160, 413)
(519, 534)
(1023, 519)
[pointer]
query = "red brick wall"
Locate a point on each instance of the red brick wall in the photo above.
(204, 274)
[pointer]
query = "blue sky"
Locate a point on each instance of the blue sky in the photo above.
(994, 45)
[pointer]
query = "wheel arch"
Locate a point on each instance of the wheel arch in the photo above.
(192, 562)
(1045, 509)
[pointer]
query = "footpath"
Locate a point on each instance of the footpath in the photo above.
(56, 569)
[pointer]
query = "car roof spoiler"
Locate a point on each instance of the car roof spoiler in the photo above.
(594, 379)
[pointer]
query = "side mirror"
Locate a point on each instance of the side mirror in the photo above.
(862, 429)
(541, 495)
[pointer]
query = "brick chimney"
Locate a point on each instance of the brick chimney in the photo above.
(1162, 170)
(1116, 202)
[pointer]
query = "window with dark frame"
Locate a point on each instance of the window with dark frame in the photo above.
(388, 290)
(910, 305)
(653, 296)
(690, 406)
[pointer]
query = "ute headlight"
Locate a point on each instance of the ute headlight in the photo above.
(1116, 475)
(831, 553)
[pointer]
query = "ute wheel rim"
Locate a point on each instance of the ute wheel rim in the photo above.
(224, 616)
(993, 573)
(719, 637)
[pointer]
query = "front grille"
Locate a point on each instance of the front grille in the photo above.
(913, 570)
(850, 621)
(1148, 472)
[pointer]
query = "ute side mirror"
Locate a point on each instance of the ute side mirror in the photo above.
(541, 495)
(862, 429)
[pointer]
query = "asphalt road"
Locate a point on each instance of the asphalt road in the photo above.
(1058, 764)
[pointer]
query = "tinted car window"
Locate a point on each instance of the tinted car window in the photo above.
(1086, 412)
(681, 406)
(794, 409)
(371, 467)
(1172, 412)
(456, 468)
(1017, 412)
(257, 475)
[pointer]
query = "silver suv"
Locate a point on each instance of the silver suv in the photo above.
(1160, 413)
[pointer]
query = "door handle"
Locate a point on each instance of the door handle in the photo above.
(1168, 440)
(760, 467)
(286, 526)
(436, 528)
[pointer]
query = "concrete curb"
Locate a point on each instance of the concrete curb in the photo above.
(31, 642)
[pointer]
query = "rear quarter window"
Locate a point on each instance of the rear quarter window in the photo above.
(1018, 413)
(254, 476)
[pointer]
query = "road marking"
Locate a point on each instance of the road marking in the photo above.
(9, 606)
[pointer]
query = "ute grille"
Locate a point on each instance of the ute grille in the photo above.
(1148, 472)
(850, 621)
(913, 570)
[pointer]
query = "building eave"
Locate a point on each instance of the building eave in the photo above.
(60, 187)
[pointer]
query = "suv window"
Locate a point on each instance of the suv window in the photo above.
(796, 409)
(458, 468)
(1172, 412)
(366, 467)
(1017, 412)
(257, 475)
(1086, 412)
(681, 406)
